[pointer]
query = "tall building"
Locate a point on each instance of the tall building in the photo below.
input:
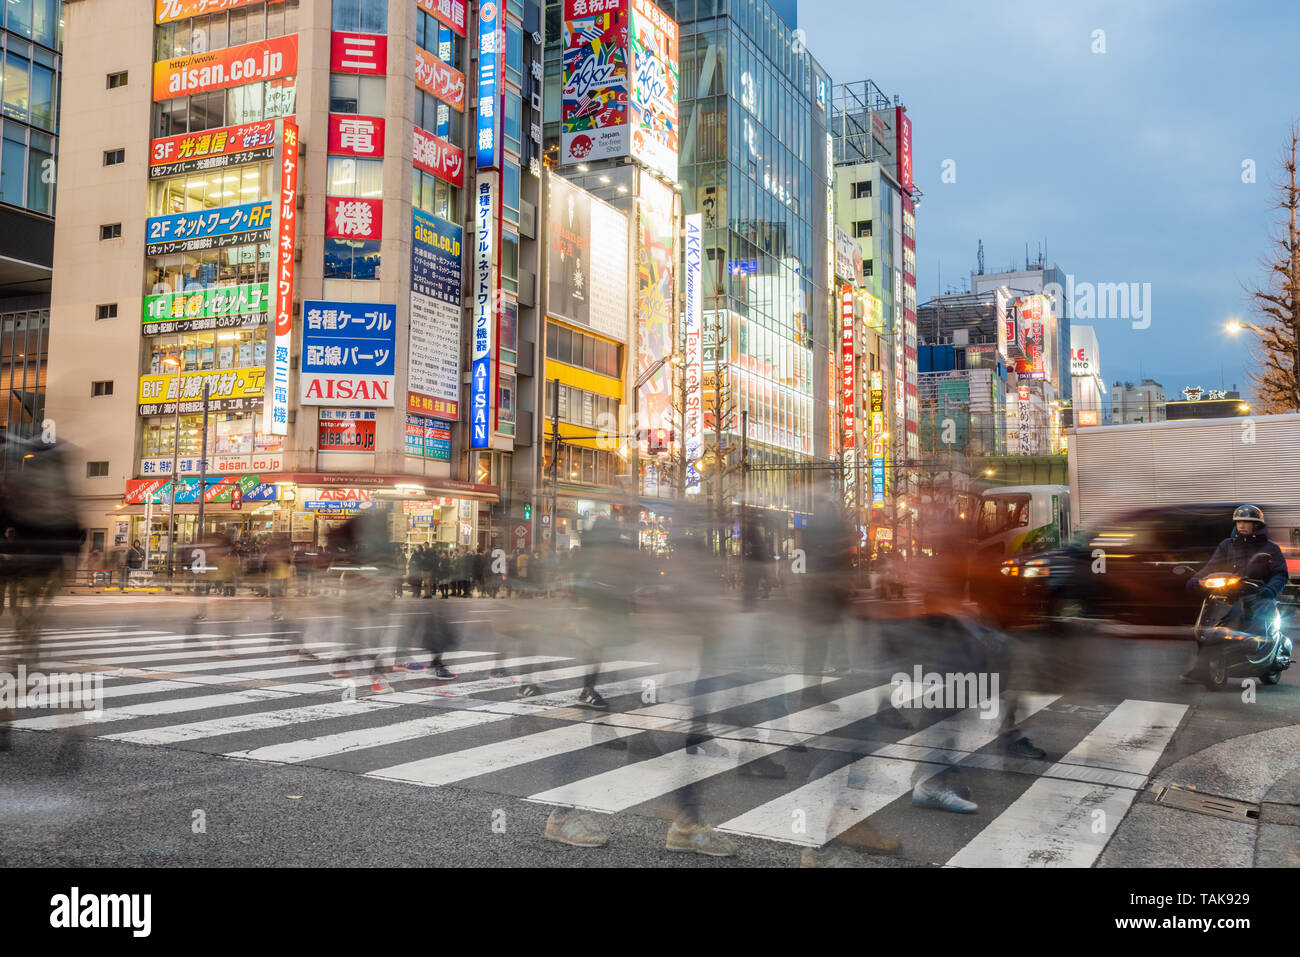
(754, 163)
(1042, 279)
(1089, 388)
(1144, 402)
(31, 34)
(319, 235)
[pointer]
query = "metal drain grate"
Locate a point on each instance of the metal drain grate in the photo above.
(1189, 799)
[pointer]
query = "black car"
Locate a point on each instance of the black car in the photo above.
(1133, 568)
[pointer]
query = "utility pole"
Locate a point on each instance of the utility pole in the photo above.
(197, 538)
(556, 445)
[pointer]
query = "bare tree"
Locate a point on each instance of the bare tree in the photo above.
(1276, 376)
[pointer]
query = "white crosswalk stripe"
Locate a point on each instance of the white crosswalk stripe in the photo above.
(244, 701)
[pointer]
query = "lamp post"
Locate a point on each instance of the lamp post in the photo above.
(174, 362)
(1234, 326)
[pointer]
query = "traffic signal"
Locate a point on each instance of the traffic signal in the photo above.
(528, 512)
(661, 440)
(236, 498)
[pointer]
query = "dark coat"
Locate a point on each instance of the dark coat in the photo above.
(1250, 556)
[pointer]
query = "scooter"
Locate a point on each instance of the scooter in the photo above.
(1225, 651)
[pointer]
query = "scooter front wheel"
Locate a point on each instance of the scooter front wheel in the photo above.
(1216, 674)
(1271, 678)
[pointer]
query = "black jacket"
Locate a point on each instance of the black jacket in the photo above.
(1234, 555)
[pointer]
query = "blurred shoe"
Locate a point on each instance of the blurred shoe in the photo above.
(341, 668)
(442, 673)
(1023, 748)
(306, 655)
(576, 830)
(5, 742)
(409, 664)
(940, 795)
(590, 698)
(823, 857)
(700, 839)
(866, 837)
(529, 691)
(891, 717)
(709, 747)
(764, 767)
(277, 617)
(497, 673)
(1189, 678)
(380, 685)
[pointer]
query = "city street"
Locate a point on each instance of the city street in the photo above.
(218, 744)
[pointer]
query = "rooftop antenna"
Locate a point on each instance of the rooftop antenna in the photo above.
(980, 257)
(1026, 257)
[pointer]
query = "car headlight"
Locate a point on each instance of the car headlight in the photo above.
(1036, 571)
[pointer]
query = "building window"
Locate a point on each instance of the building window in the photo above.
(510, 126)
(862, 190)
(506, 399)
(361, 16)
(866, 267)
(107, 310)
(101, 388)
(355, 178)
(114, 157)
(510, 192)
(110, 231)
(351, 259)
(116, 79)
(514, 54)
(578, 349)
(862, 228)
(509, 262)
(357, 94)
(96, 469)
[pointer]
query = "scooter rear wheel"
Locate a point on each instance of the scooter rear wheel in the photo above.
(1216, 674)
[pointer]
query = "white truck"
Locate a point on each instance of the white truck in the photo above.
(1118, 468)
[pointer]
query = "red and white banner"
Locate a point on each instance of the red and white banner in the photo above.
(439, 157)
(437, 78)
(903, 146)
(365, 53)
(450, 13)
(275, 409)
(342, 431)
(356, 135)
(354, 218)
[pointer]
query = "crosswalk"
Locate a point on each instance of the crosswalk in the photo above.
(254, 698)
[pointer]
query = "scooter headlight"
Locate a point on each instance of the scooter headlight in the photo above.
(1217, 582)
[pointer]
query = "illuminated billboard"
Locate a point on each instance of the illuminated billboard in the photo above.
(233, 66)
(594, 98)
(586, 261)
(653, 117)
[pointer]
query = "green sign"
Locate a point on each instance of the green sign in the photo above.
(214, 303)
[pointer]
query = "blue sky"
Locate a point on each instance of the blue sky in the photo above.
(1127, 163)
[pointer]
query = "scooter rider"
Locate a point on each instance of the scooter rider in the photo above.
(1248, 553)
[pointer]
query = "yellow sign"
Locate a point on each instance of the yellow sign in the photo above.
(228, 390)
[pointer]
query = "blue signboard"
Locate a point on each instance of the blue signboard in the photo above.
(348, 353)
(877, 482)
(489, 50)
(741, 266)
(208, 228)
(484, 286)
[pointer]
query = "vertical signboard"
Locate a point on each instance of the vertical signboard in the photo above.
(654, 302)
(877, 438)
(594, 98)
(484, 285)
(848, 369)
(450, 13)
(691, 317)
(275, 411)
(903, 147)
(348, 353)
(433, 357)
(653, 116)
(489, 85)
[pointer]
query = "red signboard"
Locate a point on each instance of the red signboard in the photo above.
(450, 13)
(903, 146)
(139, 490)
(346, 435)
(356, 135)
(354, 218)
(233, 66)
(365, 53)
(848, 371)
(226, 141)
(439, 157)
(437, 78)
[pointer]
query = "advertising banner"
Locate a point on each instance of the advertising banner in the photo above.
(485, 301)
(848, 368)
(208, 229)
(1084, 359)
(438, 79)
(165, 11)
(848, 257)
(356, 136)
(694, 334)
(232, 390)
(877, 438)
(216, 488)
(433, 357)
(428, 438)
(437, 156)
(490, 42)
(348, 353)
(903, 147)
(233, 66)
(450, 13)
(363, 53)
(655, 279)
(217, 464)
(653, 118)
(354, 218)
(211, 149)
(594, 98)
(275, 417)
(587, 261)
(242, 305)
(1032, 316)
(346, 430)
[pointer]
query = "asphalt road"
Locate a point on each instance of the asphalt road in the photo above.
(217, 745)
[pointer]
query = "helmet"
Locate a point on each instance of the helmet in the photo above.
(1248, 513)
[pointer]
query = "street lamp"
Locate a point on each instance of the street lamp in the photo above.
(1233, 326)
